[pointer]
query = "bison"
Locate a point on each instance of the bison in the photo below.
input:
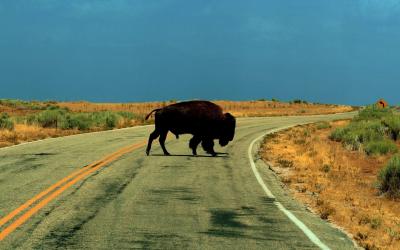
(203, 119)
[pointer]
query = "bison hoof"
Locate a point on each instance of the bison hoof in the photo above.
(147, 153)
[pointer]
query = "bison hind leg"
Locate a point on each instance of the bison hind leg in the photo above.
(152, 137)
(193, 143)
(208, 146)
(163, 137)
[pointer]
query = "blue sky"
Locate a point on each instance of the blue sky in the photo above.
(336, 51)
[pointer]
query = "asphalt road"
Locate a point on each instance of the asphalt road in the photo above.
(156, 202)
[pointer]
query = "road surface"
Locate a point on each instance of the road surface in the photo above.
(131, 201)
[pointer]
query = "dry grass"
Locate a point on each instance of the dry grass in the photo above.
(26, 133)
(237, 108)
(16, 111)
(336, 183)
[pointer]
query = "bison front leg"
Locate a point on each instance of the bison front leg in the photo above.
(152, 137)
(208, 146)
(193, 143)
(163, 137)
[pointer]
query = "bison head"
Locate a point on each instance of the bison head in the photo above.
(227, 129)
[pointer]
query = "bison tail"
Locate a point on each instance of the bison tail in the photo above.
(155, 110)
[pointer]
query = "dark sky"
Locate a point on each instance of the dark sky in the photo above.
(336, 51)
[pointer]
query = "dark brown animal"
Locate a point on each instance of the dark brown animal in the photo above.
(203, 119)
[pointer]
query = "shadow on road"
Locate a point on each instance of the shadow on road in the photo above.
(220, 155)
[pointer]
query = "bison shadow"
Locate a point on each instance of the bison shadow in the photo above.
(219, 155)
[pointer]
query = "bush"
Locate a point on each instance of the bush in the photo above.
(393, 125)
(380, 147)
(127, 115)
(298, 101)
(326, 168)
(105, 119)
(358, 133)
(389, 177)
(373, 112)
(13, 103)
(338, 134)
(54, 117)
(51, 118)
(111, 120)
(6, 122)
(76, 121)
(323, 125)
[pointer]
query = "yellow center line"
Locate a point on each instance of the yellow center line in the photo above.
(62, 185)
(24, 206)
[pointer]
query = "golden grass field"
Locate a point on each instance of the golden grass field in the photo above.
(25, 132)
(237, 108)
(337, 184)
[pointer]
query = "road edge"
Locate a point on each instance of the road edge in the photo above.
(278, 204)
(310, 235)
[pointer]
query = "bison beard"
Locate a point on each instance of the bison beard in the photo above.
(204, 120)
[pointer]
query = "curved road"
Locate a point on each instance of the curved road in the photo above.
(155, 202)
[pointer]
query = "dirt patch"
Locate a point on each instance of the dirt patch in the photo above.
(337, 184)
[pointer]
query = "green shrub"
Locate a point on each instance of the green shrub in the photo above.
(285, 163)
(393, 125)
(105, 119)
(6, 122)
(54, 117)
(55, 107)
(297, 101)
(338, 134)
(111, 120)
(373, 112)
(380, 147)
(127, 115)
(51, 118)
(389, 177)
(323, 125)
(326, 168)
(76, 121)
(358, 133)
(375, 223)
(13, 103)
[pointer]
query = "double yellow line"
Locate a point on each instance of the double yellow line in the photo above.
(43, 198)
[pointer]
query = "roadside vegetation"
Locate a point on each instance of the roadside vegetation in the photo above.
(373, 131)
(348, 172)
(62, 118)
(22, 121)
(6, 122)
